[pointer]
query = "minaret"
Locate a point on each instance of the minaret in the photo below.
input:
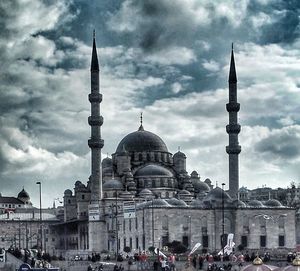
(233, 129)
(95, 121)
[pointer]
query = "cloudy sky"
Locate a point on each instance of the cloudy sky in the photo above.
(168, 59)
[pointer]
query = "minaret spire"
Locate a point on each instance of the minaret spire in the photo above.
(141, 128)
(233, 129)
(232, 72)
(95, 121)
(94, 62)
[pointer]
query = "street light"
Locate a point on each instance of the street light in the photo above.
(41, 235)
(223, 219)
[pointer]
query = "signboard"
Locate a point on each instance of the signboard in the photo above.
(129, 209)
(94, 212)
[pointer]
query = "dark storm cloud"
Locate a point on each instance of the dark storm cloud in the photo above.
(281, 144)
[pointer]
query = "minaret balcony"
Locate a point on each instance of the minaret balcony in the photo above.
(233, 107)
(235, 149)
(95, 98)
(233, 128)
(96, 143)
(95, 120)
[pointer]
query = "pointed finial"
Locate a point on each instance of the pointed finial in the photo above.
(216, 183)
(107, 155)
(94, 62)
(179, 148)
(141, 128)
(232, 72)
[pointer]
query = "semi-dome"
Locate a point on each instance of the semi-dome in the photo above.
(255, 203)
(23, 194)
(153, 170)
(217, 193)
(200, 186)
(215, 197)
(176, 202)
(273, 203)
(142, 141)
(112, 184)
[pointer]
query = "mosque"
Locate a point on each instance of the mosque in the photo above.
(144, 197)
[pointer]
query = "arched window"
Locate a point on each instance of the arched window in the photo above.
(165, 224)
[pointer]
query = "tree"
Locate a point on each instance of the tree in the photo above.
(177, 247)
(127, 249)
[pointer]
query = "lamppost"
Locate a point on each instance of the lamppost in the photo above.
(223, 219)
(117, 226)
(152, 223)
(41, 235)
(190, 229)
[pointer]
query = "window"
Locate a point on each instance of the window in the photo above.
(205, 241)
(82, 196)
(53, 239)
(185, 241)
(244, 241)
(124, 225)
(124, 242)
(281, 241)
(136, 242)
(130, 242)
(129, 224)
(281, 222)
(263, 241)
(136, 223)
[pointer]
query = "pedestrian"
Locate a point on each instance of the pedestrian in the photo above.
(155, 265)
(200, 260)
(89, 268)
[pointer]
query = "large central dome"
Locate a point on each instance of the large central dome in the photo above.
(142, 141)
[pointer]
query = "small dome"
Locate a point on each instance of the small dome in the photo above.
(273, 203)
(112, 184)
(145, 192)
(153, 171)
(243, 190)
(184, 193)
(179, 154)
(197, 203)
(68, 192)
(125, 194)
(176, 202)
(23, 194)
(255, 203)
(142, 141)
(157, 203)
(239, 204)
(107, 162)
(217, 193)
(208, 181)
(200, 187)
(194, 174)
